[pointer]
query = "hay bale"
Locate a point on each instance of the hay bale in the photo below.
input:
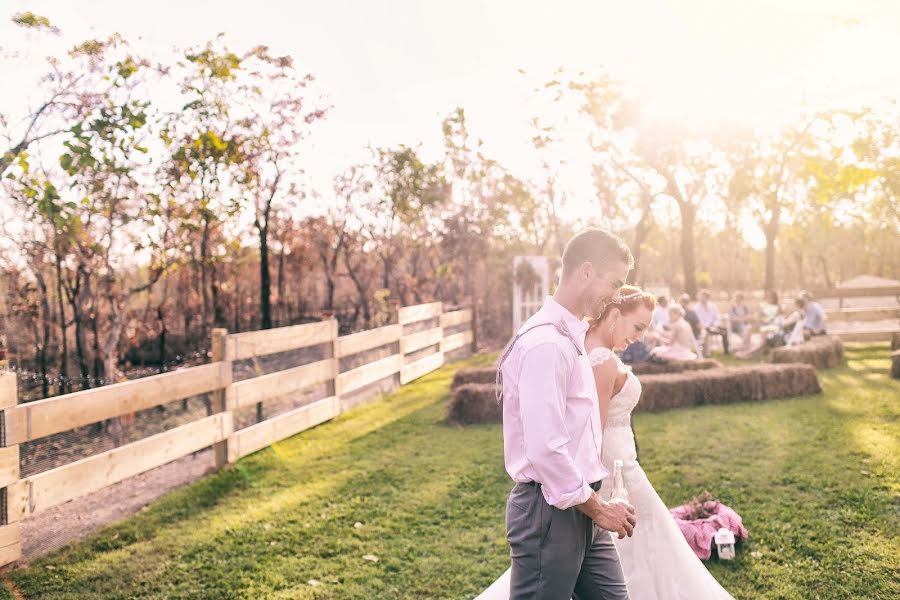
(674, 366)
(895, 364)
(727, 385)
(473, 403)
(822, 352)
(483, 375)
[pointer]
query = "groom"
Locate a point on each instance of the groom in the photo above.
(556, 523)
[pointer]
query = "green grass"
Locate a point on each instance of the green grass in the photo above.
(816, 479)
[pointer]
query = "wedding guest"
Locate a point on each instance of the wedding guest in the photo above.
(660, 318)
(680, 343)
(659, 323)
(793, 326)
(771, 326)
(814, 315)
(741, 317)
(710, 322)
(690, 315)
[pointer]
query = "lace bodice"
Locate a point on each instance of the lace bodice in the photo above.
(621, 404)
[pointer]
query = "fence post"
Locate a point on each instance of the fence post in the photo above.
(333, 387)
(473, 324)
(12, 505)
(220, 397)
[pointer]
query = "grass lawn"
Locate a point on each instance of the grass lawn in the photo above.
(817, 480)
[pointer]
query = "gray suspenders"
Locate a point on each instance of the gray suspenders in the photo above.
(498, 380)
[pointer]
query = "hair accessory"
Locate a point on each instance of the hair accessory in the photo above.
(631, 296)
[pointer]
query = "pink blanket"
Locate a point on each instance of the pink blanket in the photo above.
(700, 533)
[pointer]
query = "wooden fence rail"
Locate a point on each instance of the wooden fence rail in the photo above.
(21, 497)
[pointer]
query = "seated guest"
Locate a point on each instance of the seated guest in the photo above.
(660, 319)
(814, 315)
(636, 353)
(680, 342)
(710, 321)
(659, 322)
(690, 316)
(741, 317)
(769, 313)
(771, 327)
(792, 326)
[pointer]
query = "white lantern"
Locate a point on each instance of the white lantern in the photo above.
(725, 543)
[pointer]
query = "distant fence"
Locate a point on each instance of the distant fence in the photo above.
(416, 345)
(876, 320)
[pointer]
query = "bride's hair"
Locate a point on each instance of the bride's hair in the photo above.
(632, 297)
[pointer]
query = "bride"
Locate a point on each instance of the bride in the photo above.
(657, 561)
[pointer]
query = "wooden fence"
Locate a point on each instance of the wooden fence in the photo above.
(419, 334)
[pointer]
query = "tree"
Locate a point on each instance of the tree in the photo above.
(486, 205)
(770, 174)
(398, 191)
(104, 156)
(272, 97)
(205, 153)
(660, 158)
(67, 99)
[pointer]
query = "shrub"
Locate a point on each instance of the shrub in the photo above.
(895, 364)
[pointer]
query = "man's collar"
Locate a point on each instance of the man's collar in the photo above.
(575, 325)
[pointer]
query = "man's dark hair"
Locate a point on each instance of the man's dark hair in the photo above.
(597, 247)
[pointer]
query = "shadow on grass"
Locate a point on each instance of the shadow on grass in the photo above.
(430, 501)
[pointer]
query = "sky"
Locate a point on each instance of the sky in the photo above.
(392, 70)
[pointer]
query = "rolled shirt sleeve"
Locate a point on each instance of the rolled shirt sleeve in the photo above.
(543, 383)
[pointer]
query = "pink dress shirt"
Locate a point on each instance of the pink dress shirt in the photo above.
(551, 415)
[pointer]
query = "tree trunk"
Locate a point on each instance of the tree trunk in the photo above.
(219, 319)
(45, 317)
(98, 365)
(386, 261)
(204, 276)
(801, 275)
(265, 285)
(119, 310)
(161, 318)
(64, 384)
(80, 350)
(771, 232)
(329, 291)
(74, 293)
(688, 218)
(824, 265)
(361, 292)
(281, 282)
(641, 232)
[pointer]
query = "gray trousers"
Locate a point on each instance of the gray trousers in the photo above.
(559, 554)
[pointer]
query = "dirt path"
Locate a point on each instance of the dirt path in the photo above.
(75, 520)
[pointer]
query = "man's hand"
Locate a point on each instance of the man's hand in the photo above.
(617, 517)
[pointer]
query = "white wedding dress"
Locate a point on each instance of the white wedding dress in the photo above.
(657, 561)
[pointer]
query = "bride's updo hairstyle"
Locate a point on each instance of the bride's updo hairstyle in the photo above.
(632, 298)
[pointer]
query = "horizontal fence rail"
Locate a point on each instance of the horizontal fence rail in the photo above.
(412, 355)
